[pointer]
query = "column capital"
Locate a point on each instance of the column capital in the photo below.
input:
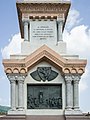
(11, 78)
(60, 18)
(14, 77)
(20, 77)
(68, 77)
(76, 78)
(25, 21)
(59, 21)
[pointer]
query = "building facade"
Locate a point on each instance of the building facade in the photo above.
(44, 79)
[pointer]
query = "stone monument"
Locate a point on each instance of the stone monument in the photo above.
(44, 79)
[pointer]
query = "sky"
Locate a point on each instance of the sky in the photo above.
(76, 35)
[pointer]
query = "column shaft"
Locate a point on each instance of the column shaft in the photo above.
(59, 30)
(68, 92)
(76, 94)
(68, 95)
(20, 94)
(26, 31)
(13, 94)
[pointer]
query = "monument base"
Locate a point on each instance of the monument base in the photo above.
(16, 112)
(42, 117)
(73, 112)
(13, 117)
(77, 117)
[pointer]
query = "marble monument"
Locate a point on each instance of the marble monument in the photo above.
(44, 79)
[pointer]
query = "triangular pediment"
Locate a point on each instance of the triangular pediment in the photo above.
(44, 53)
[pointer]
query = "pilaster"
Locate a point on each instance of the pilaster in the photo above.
(13, 91)
(76, 79)
(21, 92)
(17, 95)
(26, 30)
(68, 80)
(59, 30)
(20, 80)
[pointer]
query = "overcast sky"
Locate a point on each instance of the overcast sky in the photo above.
(76, 35)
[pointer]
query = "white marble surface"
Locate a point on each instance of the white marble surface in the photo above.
(43, 32)
(58, 80)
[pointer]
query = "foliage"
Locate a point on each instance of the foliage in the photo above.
(4, 109)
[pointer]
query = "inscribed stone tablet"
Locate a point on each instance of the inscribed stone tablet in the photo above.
(43, 31)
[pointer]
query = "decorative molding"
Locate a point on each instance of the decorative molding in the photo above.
(16, 77)
(43, 7)
(26, 10)
(44, 53)
(72, 77)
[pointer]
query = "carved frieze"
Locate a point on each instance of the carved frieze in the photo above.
(43, 7)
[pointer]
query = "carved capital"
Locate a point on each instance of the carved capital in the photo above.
(26, 22)
(21, 81)
(76, 78)
(60, 20)
(11, 77)
(68, 78)
(16, 77)
(20, 77)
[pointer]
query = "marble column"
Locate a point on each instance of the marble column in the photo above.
(13, 91)
(26, 31)
(69, 101)
(59, 30)
(76, 80)
(21, 92)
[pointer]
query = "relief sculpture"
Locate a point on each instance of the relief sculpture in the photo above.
(44, 73)
(42, 97)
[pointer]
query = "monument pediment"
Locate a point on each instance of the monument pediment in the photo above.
(44, 53)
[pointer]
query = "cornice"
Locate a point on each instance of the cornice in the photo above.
(26, 10)
(44, 53)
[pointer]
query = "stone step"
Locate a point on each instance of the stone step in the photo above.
(78, 117)
(14, 117)
(45, 117)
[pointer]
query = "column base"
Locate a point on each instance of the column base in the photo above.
(73, 112)
(20, 109)
(76, 108)
(13, 109)
(16, 112)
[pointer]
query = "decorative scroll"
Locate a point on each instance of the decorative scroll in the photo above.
(44, 97)
(44, 73)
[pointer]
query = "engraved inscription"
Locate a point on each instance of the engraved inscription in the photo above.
(44, 96)
(43, 31)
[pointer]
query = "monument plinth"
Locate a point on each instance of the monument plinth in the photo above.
(44, 79)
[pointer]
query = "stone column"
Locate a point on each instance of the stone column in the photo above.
(26, 31)
(68, 80)
(13, 91)
(76, 80)
(59, 30)
(21, 92)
